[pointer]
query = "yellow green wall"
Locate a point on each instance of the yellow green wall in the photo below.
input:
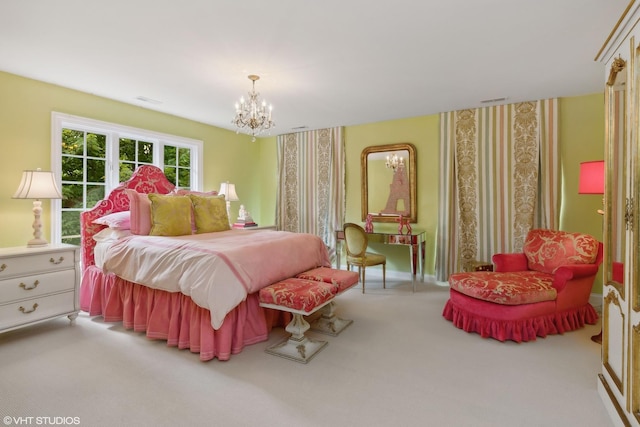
(423, 133)
(268, 176)
(25, 140)
(581, 136)
(25, 126)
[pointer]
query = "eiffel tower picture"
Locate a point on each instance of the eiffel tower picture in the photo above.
(399, 202)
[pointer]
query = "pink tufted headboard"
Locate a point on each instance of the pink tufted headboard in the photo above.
(145, 179)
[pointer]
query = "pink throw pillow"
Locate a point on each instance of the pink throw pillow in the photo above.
(140, 208)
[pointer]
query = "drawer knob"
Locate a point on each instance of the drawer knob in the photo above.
(53, 261)
(3, 267)
(24, 310)
(35, 285)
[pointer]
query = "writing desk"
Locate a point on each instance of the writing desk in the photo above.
(415, 241)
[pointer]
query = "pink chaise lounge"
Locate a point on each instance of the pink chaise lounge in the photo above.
(544, 290)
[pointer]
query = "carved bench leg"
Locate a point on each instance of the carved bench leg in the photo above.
(328, 323)
(298, 347)
(72, 318)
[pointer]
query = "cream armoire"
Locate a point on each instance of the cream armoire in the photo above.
(619, 380)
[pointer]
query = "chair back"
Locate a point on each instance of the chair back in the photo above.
(546, 250)
(355, 239)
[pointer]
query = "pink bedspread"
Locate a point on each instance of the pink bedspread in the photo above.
(217, 270)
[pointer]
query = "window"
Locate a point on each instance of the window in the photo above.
(93, 157)
(133, 153)
(83, 172)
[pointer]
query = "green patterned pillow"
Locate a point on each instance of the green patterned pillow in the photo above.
(210, 213)
(170, 215)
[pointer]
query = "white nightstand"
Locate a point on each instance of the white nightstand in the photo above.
(262, 227)
(259, 227)
(38, 284)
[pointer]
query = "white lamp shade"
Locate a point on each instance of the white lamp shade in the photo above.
(38, 184)
(229, 191)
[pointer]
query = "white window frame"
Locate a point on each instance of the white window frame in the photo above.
(114, 132)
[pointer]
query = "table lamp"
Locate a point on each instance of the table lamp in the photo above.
(229, 192)
(37, 184)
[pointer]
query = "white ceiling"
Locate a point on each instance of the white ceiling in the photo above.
(322, 63)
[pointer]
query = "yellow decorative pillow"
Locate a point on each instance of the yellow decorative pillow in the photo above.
(210, 213)
(170, 215)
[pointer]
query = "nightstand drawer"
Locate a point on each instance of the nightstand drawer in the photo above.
(32, 310)
(36, 285)
(28, 264)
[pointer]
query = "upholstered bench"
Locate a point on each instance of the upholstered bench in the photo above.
(300, 297)
(328, 322)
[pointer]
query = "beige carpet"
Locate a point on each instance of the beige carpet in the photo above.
(399, 364)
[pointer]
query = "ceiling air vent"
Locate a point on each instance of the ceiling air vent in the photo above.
(149, 100)
(487, 101)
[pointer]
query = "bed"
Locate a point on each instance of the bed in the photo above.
(196, 289)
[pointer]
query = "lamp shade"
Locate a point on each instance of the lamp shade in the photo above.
(229, 191)
(591, 177)
(38, 184)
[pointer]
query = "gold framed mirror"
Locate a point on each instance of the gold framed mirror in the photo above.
(388, 181)
(615, 189)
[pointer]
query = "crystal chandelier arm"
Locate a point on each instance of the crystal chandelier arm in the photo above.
(253, 116)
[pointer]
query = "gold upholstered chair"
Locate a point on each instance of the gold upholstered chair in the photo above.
(356, 242)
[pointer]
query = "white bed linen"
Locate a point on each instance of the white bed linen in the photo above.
(217, 270)
(104, 239)
(100, 252)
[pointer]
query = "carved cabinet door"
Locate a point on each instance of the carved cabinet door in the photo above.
(619, 381)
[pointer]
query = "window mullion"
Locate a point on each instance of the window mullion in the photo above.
(111, 133)
(113, 161)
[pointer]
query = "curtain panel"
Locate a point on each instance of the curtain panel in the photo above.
(499, 178)
(311, 183)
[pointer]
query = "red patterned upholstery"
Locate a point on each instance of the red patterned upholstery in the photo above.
(343, 279)
(298, 294)
(544, 290)
(145, 179)
(524, 287)
(546, 250)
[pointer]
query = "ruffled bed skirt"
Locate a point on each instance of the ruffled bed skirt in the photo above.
(514, 322)
(174, 317)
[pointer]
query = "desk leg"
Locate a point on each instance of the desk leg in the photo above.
(421, 260)
(413, 266)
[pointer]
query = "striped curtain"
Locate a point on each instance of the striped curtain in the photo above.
(499, 178)
(311, 187)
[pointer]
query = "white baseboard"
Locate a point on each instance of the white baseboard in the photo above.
(376, 272)
(596, 301)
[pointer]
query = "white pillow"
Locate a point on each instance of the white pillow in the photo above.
(111, 235)
(116, 220)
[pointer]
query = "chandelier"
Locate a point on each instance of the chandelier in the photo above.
(253, 117)
(394, 162)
